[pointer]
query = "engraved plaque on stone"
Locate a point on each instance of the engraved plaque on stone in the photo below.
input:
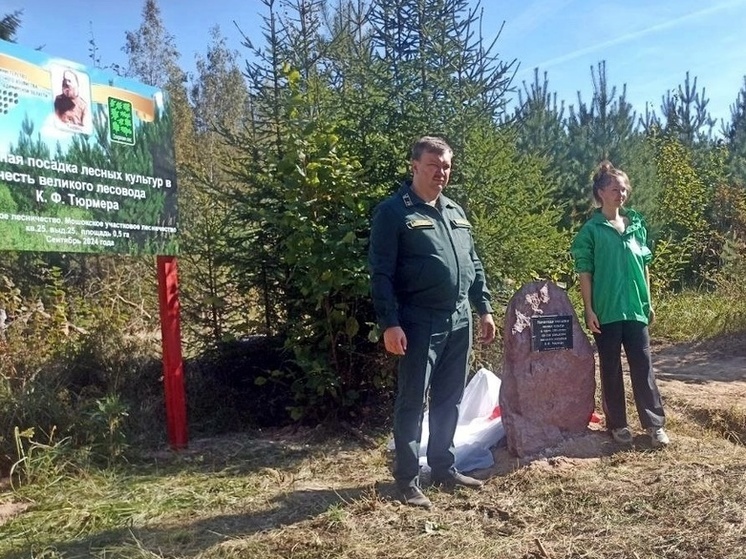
(551, 332)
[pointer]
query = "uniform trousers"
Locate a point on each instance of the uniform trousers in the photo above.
(436, 359)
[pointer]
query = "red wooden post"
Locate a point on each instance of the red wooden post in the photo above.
(173, 366)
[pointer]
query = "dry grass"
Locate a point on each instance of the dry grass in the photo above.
(307, 495)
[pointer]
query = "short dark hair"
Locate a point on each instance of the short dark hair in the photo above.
(430, 144)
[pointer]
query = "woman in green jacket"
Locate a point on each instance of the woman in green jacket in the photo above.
(611, 257)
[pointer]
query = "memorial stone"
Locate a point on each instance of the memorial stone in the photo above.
(548, 377)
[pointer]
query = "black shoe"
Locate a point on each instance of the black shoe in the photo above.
(452, 479)
(413, 496)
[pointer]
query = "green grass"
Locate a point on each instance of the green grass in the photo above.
(696, 316)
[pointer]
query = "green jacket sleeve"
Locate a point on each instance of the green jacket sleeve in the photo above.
(582, 251)
(479, 295)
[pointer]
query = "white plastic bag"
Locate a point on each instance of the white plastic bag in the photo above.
(479, 426)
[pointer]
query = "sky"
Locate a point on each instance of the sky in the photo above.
(647, 45)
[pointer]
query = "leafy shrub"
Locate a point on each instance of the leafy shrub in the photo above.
(239, 384)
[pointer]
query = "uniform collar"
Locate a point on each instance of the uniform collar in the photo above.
(410, 198)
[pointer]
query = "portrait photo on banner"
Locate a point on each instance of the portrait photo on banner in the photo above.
(71, 91)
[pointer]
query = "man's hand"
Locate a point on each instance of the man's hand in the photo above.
(651, 316)
(486, 329)
(395, 340)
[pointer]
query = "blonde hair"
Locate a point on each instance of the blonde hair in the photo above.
(605, 175)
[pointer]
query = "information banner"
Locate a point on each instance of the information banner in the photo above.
(86, 159)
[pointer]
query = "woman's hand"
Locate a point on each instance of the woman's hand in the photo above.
(591, 321)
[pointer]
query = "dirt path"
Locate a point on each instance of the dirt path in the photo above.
(713, 377)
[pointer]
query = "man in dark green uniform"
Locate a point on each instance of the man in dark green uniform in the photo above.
(424, 275)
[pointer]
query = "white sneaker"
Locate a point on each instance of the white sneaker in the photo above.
(622, 435)
(658, 436)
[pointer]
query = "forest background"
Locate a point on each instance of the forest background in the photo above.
(280, 160)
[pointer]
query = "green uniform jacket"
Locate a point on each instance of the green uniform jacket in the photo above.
(617, 263)
(422, 257)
